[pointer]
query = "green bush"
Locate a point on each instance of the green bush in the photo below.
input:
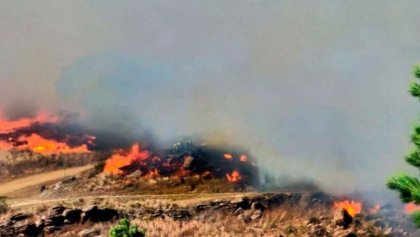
(126, 229)
(3, 205)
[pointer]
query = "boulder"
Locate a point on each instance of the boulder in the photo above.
(56, 220)
(94, 214)
(72, 215)
(20, 216)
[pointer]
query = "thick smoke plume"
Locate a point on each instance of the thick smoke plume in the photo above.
(311, 90)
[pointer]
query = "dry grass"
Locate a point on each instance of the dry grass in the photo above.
(15, 164)
(286, 222)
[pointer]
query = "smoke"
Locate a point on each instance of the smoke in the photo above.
(312, 90)
(20, 108)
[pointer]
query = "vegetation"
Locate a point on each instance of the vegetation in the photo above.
(409, 186)
(126, 229)
(3, 205)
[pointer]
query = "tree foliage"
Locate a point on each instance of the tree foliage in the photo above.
(409, 186)
(126, 229)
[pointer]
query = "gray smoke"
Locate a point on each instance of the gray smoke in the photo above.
(313, 90)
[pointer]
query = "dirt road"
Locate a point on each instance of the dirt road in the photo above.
(34, 180)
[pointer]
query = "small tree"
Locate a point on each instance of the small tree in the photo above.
(409, 186)
(126, 229)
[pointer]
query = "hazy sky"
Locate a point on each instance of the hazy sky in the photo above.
(312, 89)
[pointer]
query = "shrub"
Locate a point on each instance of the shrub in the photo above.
(126, 229)
(3, 205)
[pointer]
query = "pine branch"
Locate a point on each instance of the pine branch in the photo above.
(414, 89)
(407, 186)
(413, 158)
(415, 137)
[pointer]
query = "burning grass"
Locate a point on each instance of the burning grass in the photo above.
(202, 161)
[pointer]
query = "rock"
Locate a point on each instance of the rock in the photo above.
(135, 174)
(258, 206)
(31, 230)
(178, 214)
(238, 211)
(57, 220)
(94, 214)
(52, 229)
(57, 210)
(20, 217)
(241, 202)
(72, 215)
(202, 207)
(92, 232)
(256, 214)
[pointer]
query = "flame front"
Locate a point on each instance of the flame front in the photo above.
(45, 146)
(234, 177)
(35, 134)
(352, 207)
(8, 125)
(119, 160)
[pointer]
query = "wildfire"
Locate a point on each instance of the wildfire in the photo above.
(42, 145)
(43, 134)
(352, 207)
(228, 156)
(119, 160)
(10, 125)
(202, 162)
(234, 177)
(411, 207)
(243, 158)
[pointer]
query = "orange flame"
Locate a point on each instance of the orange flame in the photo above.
(228, 156)
(243, 158)
(411, 207)
(8, 125)
(38, 144)
(35, 142)
(234, 177)
(42, 145)
(352, 207)
(119, 160)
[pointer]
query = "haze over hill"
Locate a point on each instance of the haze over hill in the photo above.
(312, 90)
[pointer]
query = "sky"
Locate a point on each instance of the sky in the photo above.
(314, 90)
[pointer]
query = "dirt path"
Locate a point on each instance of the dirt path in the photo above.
(182, 199)
(18, 184)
